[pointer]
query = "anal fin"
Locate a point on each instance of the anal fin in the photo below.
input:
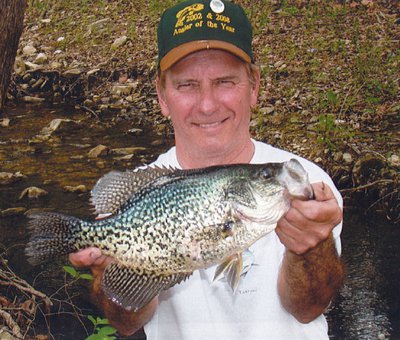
(231, 268)
(132, 289)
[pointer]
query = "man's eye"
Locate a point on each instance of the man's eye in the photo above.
(225, 83)
(185, 86)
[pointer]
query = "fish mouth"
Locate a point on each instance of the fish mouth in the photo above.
(295, 179)
(305, 195)
(311, 193)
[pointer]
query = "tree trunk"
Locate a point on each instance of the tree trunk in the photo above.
(11, 25)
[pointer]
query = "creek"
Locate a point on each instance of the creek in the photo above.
(368, 306)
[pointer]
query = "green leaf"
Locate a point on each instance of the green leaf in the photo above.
(86, 277)
(95, 337)
(107, 330)
(92, 319)
(332, 98)
(101, 321)
(71, 271)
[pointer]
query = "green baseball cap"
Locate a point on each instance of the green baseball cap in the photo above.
(192, 26)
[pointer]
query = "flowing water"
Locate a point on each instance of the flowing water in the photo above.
(368, 307)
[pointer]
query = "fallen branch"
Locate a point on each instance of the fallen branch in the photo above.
(18, 314)
(368, 185)
(90, 111)
(9, 278)
(11, 324)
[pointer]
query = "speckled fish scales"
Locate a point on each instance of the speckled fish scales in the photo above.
(163, 224)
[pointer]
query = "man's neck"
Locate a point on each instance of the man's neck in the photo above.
(189, 159)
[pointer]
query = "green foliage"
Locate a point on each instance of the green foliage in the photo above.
(374, 91)
(260, 16)
(327, 130)
(288, 9)
(332, 131)
(337, 46)
(332, 100)
(131, 28)
(40, 6)
(157, 7)
(102, 329)
(331, 128)
(76, 275)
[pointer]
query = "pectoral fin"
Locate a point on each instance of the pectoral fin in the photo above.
(132, 289)
(231, 269)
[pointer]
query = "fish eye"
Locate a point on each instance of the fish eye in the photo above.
(266, 173)
(227, 228)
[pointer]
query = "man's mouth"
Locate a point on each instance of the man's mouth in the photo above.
(210, 125)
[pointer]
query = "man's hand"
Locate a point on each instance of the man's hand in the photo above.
(90, 257)
(308, 223)
(126, 322)
(311, 271)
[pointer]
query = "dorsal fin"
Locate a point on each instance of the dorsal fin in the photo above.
(115, 188)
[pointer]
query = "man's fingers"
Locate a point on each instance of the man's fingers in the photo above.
(86, 257)
(322, 191)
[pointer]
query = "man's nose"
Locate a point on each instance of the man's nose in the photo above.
(208, 100)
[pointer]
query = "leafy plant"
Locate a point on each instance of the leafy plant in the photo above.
(77, 275)
(156, 7)
(331, 130)
(332, 100)
(102, 329)
(40, 6)
(326, 128)
(288, 10)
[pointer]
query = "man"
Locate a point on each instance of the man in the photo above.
(207, 85)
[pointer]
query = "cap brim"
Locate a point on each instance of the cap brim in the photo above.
(183, 50)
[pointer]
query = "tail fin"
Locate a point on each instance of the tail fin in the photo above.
(52, 235)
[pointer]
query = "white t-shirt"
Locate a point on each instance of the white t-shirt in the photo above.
(200, 309)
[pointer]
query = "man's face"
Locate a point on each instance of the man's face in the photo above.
(208, 95)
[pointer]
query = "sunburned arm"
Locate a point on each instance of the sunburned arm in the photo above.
(311, 271)
(308, 282)
(126, 322)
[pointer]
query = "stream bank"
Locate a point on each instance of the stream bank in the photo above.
(329, 87)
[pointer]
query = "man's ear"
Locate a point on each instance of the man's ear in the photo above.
(161, 97)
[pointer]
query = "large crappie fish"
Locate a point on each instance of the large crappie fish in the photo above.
(167, 223)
